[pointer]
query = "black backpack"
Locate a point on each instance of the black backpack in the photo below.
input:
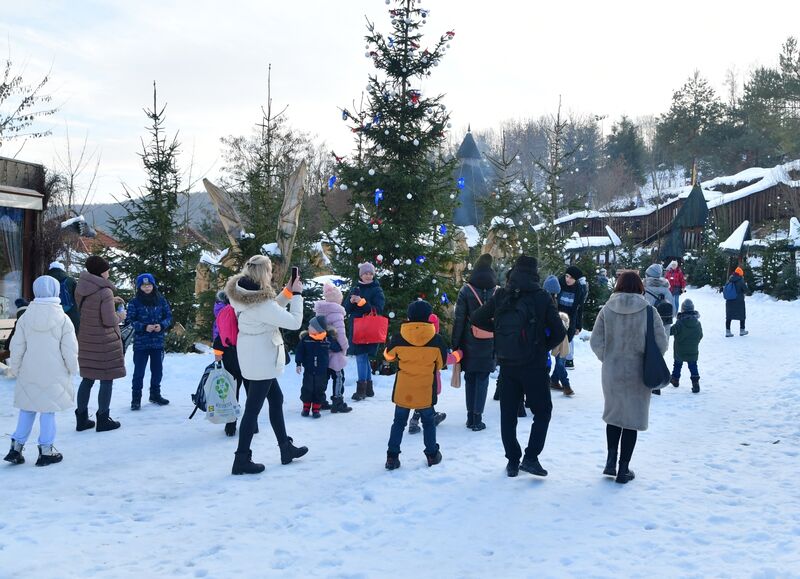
(515, 329)
(663, 307)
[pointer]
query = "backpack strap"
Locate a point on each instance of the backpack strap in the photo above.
(657, 297)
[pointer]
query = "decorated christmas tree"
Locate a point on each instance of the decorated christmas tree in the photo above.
(402, 190)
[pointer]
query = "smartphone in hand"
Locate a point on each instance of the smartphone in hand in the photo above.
(295, 274)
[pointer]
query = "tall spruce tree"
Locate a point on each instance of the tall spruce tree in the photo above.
(402, 190)
(152, 234)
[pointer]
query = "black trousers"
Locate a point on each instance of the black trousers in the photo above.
(313, 389)
(258, 391)
(533, 384)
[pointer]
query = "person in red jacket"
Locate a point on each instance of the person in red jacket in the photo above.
(677, 283)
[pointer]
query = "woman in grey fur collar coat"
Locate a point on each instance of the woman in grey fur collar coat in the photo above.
(618, 340)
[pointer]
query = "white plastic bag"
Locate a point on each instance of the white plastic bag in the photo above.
(220, 391)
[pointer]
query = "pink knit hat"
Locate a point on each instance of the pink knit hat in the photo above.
(331, 293)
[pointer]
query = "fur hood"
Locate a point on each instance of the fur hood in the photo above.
(625, 303)
(693, 315)
(247, 292)
(330, 333)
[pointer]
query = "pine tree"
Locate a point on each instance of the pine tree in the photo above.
(625, 143)
(401, 188)
(153, 236)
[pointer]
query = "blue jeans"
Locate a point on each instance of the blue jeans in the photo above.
(364, 369)
(47, 427)
(676, 368)
(571, 354)
(676, 298)
(428, 428)
(140, 358)
(560, 372)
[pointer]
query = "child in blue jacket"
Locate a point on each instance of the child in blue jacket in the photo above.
(312, 354)
(151, 317)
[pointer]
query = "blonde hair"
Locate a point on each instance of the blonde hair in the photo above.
(259, 269)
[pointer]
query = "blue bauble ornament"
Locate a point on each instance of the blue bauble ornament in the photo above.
(420, 259)
(378, 196)
(444, 298)
(331, 181)
(443, 229)
(460, 182)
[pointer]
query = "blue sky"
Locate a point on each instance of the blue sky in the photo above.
(509, 59)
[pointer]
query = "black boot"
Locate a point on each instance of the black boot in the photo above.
(156, 398)
(496, 392)
(531, 465)
(243, 464)
(339, 406)
(14, 455)
(434, 458)
(83, 422)
(230, 428)
(48, 455)
(392, 460)
(624, 474)
(478, 424)
(370, 392)
(361, 390)
(136, 400)
(326, 405)
(104, 422)
(695, 384)
(656, 391)
(512, 468)
(470, 420)
(289, 451)
(611, 465)
(413, 424)
(439, 417)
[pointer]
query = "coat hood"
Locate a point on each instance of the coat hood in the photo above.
(44, 316)
(483, 278)
(522, 281)
(417, 333)
(623, 303)
(247, 292)
(656, 282)
(89, 284)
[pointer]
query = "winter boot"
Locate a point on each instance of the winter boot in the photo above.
(512, 468)
(611, 464)
(14, 455)
(496, 395)
(470, 420)
(568, 391)
(434, 458)
(83, 422)
(743, 332)
(478, 424)
(392, 460)
(315, 411)
(569, 364)
(339, 406)
(230, 428)
(531, 465)
(695, 384)
(439, 417)
(306, 411)
(136, 400)
(675, 381)
(289, 451)
(624, 474)
(104, 422)
(370, 392)
(555, 384)
(728, 334)
(48, 455)
(243, 464)
(413, 424)
(361, 391)
(156, 398)
(656, 391)
(325, 405)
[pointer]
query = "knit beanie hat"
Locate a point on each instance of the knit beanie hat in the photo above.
(46, 286)
(419, 311)
(57, 265)
(434, 319)
(603, 271)
(484, 261)
(739, 270)
(96, 265)
(526, 265)
(365, 267)
(317, 325)
(20, 303)
(687, 306)
(655, 270)
(331, 293)
(672, 264)
(551, 285)
(144, 278)
(222, 297)
(574, 272)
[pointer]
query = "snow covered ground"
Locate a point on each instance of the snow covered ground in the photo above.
(716, 491)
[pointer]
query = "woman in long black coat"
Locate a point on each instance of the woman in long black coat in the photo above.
(478, 361)
(735, 308)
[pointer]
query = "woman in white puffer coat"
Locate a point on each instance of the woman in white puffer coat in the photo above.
(44, 357)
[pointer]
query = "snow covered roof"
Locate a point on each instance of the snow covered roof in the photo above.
(271, 249)
(576, 243)
(471, 234)
(213, 258)
(736, 240)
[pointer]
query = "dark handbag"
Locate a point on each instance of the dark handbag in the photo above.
(656, 372)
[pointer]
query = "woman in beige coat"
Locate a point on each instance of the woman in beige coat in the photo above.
(44, 357)
(618, 339)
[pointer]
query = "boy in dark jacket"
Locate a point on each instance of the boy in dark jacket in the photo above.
(688, 332)
(151, 316)
(570, 301)
(420, 353)
(312, 355)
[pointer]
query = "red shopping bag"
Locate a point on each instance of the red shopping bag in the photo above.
(370, 328)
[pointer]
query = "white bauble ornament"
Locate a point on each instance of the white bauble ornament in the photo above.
(379, 257)
(360, 249)
(348, 251)
(408, 262)
(416, 142)
(391, 315)
(433, 281)
(386, 132)
(343, 187)
(435, 212)
(366, 54)
(409, 196)
(452, 195)
(371, 172)
(375, 226)
(396, 262)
